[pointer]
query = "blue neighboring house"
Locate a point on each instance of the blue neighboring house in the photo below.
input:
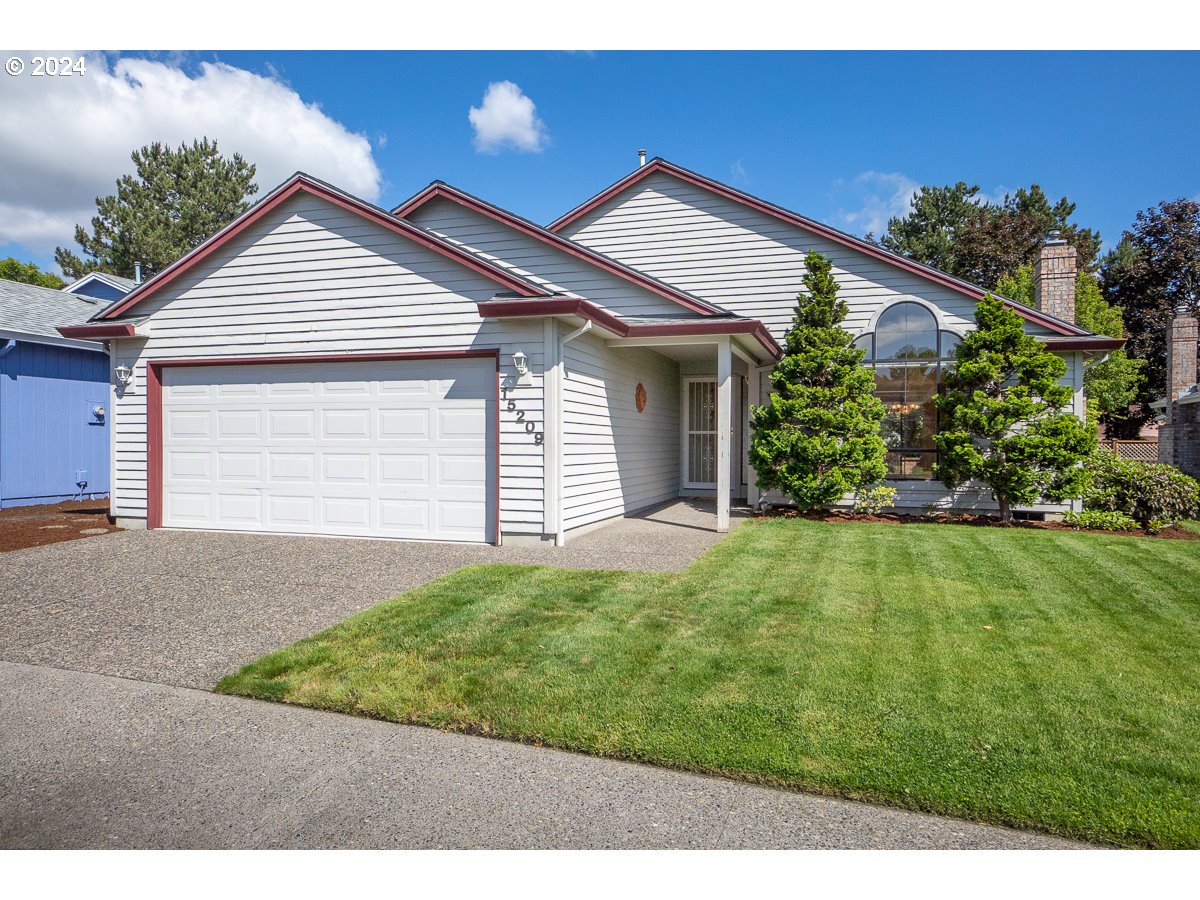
(102, 286)
(54, 397)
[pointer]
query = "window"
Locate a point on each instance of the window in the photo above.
(909, 355)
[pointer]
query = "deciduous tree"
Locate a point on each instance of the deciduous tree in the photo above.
(1109, 386)
(1152, 272)
(13, 269)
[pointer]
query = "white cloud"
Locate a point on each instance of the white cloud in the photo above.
(875, 197)
(738, 173)
(507, 119)
(65, 141)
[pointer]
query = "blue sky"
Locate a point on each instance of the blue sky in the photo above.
(841, 137)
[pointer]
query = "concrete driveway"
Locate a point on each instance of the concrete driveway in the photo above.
(109, 736)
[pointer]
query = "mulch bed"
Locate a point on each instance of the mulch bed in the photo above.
(1173, 533)
(32, 526)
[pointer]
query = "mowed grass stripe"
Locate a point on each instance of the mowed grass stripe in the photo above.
(1012, 676)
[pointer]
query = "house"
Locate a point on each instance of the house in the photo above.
(102, 286)
(53, 399)
(451, 371)
(1179, 410)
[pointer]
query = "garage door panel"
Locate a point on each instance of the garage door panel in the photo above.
(406, 425)
(291, 389)
(346, 424)
(239, 424)
(240, 389)
(239, 466)
(399, 449)
(462, 424)
(185, 465)
(465, 516)
(291, 424)
(405, 469)
(187, 424)
(347, 512)
(346, 468)
(345, 388)
(286, 513)
(239, 510)
(178, 392)
(291, 468)
(185, 507)
(404, 518)
(462, 471)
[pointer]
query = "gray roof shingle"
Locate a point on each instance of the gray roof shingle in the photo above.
(29, 309)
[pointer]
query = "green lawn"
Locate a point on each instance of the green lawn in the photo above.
(1012, 676)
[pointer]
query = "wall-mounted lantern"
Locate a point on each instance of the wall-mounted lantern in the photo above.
(521, 363)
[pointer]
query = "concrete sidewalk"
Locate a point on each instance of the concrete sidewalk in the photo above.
(95, 761)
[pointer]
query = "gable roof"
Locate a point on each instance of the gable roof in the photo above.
(124, 285)
(658, 164)
(439, 189)
(302, 183)
(28, 309)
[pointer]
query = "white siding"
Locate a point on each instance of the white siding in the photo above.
(617, 460)
(541, 262)
(311, 278)
(745, 260)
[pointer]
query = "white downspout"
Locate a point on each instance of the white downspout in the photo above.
(560, 534)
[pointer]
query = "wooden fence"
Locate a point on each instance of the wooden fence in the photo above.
(1146, 451)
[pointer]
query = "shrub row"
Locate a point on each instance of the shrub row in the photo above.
(1151, 494)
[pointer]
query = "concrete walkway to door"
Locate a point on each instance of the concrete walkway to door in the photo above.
(189, 607)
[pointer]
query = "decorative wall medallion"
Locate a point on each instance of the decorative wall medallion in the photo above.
(639, 397)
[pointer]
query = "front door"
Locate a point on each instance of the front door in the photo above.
(700, 434)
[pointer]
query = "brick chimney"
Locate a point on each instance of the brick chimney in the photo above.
(1054, 278)
(1181, 354)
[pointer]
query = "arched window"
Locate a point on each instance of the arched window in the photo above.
(909, 354)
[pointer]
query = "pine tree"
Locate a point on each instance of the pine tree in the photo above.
(176, 201)
(1005, 416)
(818, 437)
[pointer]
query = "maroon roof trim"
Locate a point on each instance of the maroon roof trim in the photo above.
(786, 215)
(303, 183)
(440, 189)
(96, 332)
(584, 309)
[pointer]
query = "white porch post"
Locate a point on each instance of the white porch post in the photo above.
(552, 441)
(724, 426)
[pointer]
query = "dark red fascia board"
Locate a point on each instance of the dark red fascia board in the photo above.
(573, 306)
(302, 183)
(839, 237)
(96, 332)
(439, 189)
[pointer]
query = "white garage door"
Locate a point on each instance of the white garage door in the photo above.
(402, 449)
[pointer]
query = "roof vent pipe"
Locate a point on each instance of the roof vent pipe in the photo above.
(137, 273)
(641, 158)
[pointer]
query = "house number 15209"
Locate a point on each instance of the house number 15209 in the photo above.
(519, 414)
